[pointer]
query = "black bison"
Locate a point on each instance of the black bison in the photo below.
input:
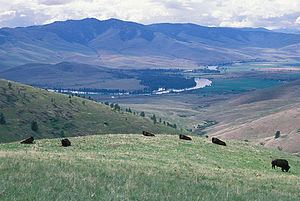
(184, 137)
(28, 141)
(65, 142)
(284, 164)
(148, 134)
(218, 141)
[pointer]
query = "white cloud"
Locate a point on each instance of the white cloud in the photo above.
(55, 2)
(297, 20)
(237, 13)
(9, 13)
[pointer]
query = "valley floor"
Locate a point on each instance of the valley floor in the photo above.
(133, 167)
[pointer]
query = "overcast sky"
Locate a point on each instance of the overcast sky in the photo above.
(236, 13)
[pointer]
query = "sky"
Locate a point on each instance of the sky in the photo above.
(272, 14)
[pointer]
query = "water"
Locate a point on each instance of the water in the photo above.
(200, 83)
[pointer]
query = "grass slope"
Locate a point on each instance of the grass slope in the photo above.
(58, 115)
(133, 167)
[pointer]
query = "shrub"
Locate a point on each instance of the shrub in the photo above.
(277, 134)
(34, 126)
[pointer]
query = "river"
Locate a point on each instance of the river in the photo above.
(200, 83)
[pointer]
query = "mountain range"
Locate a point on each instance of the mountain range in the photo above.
(116, 43)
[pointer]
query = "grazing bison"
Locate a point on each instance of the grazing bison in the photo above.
(148, 134)
(284, 164)
(65, 142)
(28, 141)
(218, 141)
(184, 137)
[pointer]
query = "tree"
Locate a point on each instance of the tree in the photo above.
(2, 119)
(160, 120)
(34, 126)
(142, 114)
(175, 126)
(117, 107)
(154, 119)
(9, 85)
(277, 134)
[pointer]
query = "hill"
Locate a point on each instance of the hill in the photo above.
(258, 115)
(59, 115)
(116, 43)
(133, 167)
(70, 75)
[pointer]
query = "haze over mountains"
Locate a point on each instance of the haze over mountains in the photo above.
(116, 43)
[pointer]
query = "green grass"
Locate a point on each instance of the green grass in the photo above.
(238, 85)
(133, 167)
(58, 115)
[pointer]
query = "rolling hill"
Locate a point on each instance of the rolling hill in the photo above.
(59, 115)
(134, 167)
(116, 43)
(70, 75)
(258, 115)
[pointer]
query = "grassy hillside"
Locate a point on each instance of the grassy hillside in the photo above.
(258, 115)
(59, 115)
(133, 167)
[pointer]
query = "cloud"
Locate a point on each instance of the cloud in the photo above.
(8, 14)
(297, 20)
(55, 2)
(237, 13)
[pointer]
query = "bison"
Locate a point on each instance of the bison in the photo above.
(218, 141)
(65, 142)
(28, 141)
(148, 134)
(184, 137)
(284, 164)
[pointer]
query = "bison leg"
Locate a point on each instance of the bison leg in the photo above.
(282, 169)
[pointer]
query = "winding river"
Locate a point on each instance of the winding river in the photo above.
(200, 83)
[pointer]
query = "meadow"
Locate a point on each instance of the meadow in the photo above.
(134, 167)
